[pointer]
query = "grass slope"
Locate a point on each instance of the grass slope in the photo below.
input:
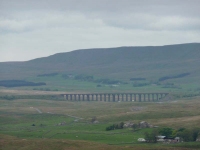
(150, 62)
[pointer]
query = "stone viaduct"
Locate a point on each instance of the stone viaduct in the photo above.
(114, 97)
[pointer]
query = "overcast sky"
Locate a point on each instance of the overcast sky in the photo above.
(38, 28)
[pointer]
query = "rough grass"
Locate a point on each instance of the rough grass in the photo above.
(17, 117)
(11, 143)
(57, 83)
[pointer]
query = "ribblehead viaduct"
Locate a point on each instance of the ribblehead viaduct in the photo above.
(114, 97)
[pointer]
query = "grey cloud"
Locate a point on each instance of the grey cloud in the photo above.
(42, 20)
(121, 13)
(151, 22)
(43, 27)
(118, 6)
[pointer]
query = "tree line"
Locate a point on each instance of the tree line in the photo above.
(115, 126)
(18, 83)
(173, 77)
(186, 135)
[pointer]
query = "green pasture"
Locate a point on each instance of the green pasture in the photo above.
(19, 118)
(58, 83)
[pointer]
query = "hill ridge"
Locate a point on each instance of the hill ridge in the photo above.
(121, 62)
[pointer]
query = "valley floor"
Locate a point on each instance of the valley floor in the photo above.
(59, 124)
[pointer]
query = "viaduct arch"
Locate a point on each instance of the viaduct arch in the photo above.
(114, 97)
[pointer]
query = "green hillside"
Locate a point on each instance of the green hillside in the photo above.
(122, 63)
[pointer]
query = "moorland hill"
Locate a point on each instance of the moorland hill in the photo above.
(151, 62)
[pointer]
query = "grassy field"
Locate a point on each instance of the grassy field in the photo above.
(10, 143)
(58, 83)
(38, 122)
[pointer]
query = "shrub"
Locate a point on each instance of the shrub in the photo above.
(115, 126)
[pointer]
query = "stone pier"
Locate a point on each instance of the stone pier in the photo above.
(115, 97)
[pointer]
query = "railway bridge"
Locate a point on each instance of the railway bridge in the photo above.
(114, 97)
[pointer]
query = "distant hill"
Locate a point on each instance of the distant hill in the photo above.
(124, 63)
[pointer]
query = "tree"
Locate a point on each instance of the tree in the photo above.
(108, 128)
(166, 132)
(189, 135)
(174, 133)
(151, 136)
(185, 135)
(115, 126)
(134, 126)
(121, 125)
(195, 133)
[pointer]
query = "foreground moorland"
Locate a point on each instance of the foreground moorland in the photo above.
(59, 124)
